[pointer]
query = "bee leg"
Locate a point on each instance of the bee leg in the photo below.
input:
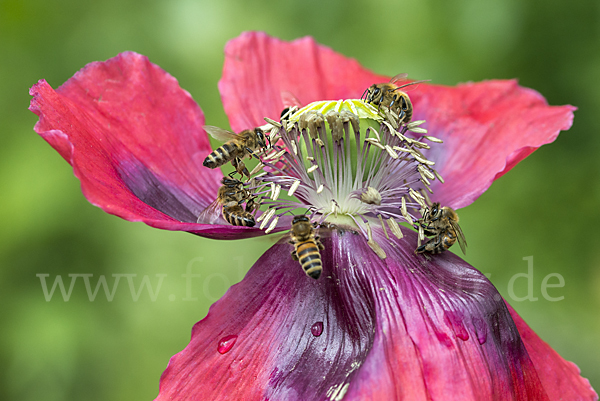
(401, 116)
(250, 153)
(294, 256)
(240, 167)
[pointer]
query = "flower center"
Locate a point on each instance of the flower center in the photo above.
(344, 163)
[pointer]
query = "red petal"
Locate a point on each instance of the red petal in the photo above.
(487, 128)
(401, 328)
(135, 140)
(262, 73)
(560, 378)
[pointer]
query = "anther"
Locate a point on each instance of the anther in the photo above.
(395, 228)
(312, 168)
(391, 152)
(374, 245)
(272, 225)
(426, 172)
(371, 196)
(270, 214)
(375, 142)
(433, 139)
(276, 192)
(421, 145)
(391, 119)
(418, 130)
(414, 123)
(294, 187)
(273, 122)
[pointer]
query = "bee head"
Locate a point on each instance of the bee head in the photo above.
(371, 93)
(435, 211)
(298, 219)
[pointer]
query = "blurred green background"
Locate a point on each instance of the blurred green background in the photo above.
(547, 207)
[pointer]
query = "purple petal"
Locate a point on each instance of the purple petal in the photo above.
(399, 328)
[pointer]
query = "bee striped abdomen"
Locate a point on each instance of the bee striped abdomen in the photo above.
(237, 216)
(309, 258)
(221, 155)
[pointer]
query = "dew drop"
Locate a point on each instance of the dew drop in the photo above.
(456, 323)
(480, 330)
(226, 344)
(317, 329)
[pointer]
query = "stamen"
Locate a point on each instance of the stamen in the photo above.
(273, 122)
(371, 196)
(270, 214)
(395, 228)
(272, 225)
(257, 168)
(415, 123)
(383, 226)
(276, 192)
(374, 176)
(433, 139)
(294, 187)
(418, 130)
(391, 152)
(374, 245)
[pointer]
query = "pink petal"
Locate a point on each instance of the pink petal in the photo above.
(398, 329)
(135, 140)
(555, 373)
(262, 75)
(487, 127)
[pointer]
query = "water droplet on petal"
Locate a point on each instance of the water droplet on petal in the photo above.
(317, 329)
(480, 330)
(226, 344)
(456, 323)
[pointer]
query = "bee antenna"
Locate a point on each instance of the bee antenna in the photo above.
(412, 83)
(364, 95)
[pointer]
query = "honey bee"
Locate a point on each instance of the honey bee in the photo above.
(389, 95)
(228, 204)
(442, 222)
(234, 149)
(306, 246)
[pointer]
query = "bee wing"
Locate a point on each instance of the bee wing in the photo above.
(212, 214)
(412, 85)
(220, 134)
(399, 78)
(460, 236)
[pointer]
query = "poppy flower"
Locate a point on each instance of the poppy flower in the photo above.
(381, 322)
